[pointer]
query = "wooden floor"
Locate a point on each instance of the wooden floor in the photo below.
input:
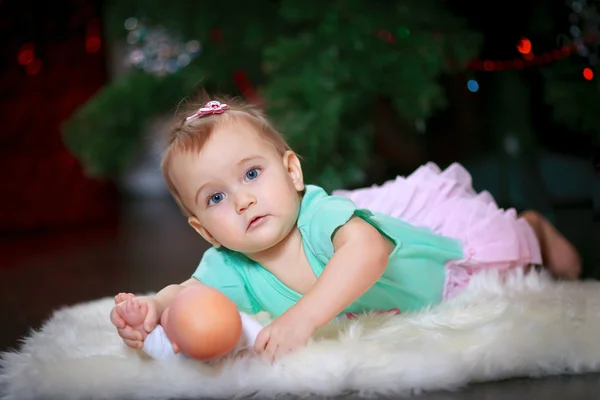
(150, 245)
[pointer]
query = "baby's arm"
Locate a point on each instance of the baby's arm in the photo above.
(360, 257)
(164, 297)
(134, 316)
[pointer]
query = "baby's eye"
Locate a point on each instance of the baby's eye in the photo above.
(252, 174)
(215, 198)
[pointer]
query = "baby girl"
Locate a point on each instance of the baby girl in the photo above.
(307, 257)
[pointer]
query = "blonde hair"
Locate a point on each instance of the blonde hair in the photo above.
(191, 135)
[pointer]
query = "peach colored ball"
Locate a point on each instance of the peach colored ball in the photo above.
(204, 323)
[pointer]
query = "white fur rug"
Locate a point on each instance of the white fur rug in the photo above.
(527, 326)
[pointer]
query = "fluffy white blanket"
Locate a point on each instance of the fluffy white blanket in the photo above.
(522, 326)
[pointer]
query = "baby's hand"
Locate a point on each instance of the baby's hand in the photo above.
(134, 317)
(284, 335)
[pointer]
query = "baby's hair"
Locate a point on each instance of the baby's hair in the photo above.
(190, 135)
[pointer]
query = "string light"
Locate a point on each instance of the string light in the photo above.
(584, 20)
(530, 59)
(26, 57)
(524, 46)
(92, 37)
(473, 86)
(26, 54)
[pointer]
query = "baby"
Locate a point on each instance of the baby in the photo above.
(306, 257)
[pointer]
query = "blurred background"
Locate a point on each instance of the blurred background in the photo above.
(364, 91)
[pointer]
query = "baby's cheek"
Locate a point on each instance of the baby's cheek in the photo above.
(218, 217)
(224, 226)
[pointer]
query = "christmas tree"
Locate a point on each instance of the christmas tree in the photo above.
(317, 68)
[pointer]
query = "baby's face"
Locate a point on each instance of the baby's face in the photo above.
(243, 194)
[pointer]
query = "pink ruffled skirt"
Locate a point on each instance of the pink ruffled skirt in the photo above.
(446, 203)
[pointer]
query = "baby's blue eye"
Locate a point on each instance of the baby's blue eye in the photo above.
(215, 198)
(252, 174)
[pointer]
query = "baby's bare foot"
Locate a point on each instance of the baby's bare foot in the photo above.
(133, 312)
(121, 297)
(558, 254)
(563, 258)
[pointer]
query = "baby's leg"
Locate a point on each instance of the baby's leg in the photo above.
(558, 254)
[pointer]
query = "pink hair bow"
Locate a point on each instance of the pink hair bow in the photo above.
(212, 107)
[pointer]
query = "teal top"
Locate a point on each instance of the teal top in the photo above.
(414, 278)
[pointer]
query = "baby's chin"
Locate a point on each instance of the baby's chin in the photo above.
(254, 248)
(258, 244)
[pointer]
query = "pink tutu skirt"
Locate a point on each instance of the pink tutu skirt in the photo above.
(446, 203)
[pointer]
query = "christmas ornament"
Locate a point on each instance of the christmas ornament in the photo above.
(156, 51)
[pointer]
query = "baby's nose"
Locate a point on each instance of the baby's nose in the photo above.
(245, 201)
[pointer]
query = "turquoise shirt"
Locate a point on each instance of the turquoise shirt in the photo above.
(413, 279)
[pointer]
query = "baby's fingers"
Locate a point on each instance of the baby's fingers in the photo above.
(121, 297)
(134, 344)
(116, 319)
(128, 333)
(261, 340)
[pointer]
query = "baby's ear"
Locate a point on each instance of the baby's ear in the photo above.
(292, 164)
(194, 223)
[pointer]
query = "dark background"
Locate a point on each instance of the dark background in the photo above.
(67, 238)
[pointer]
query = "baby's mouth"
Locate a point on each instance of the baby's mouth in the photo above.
(256, 221)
